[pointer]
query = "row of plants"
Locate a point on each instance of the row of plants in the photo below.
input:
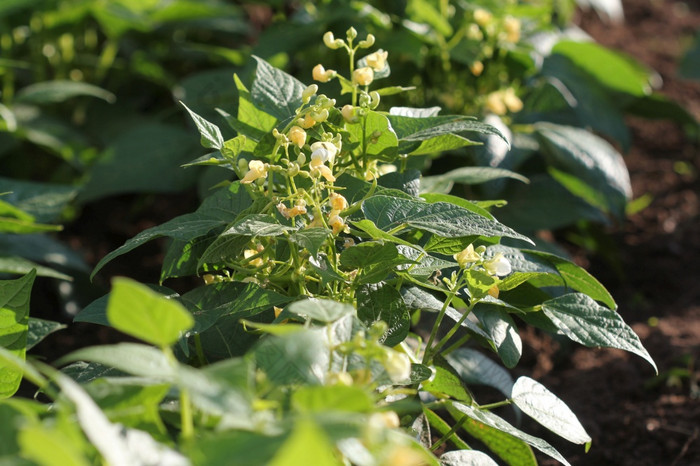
(347, 305)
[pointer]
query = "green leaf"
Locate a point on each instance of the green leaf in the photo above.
(474, 367)
(446, 382)
(371, 229)
(310, 239)
(557, 272)
(590, 158)
(423, 11)
(295, 450)
(96, 311)
(535, 400)
(50, 446)
(424, 265)
(586, 322)
(256, 225)
(503, 332)
(216, 211)
(323, 310)
(511, 449)
(443, 428)
(367, 253)
(39, 329)
(51, 92)
(440, 218)
(138, 311)
(466, 458)
(383, 302)
(610, 68)
(295, 358)
(469, 175)
(375, 137)
(132, 358)
(320, 399)
(212, 302)
(491, 420)
(14, 325)
(43, 201)
(22, 266)
(211, 137)
(274, 91)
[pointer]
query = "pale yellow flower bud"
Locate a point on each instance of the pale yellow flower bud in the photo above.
(351, 33)
(320, 116)
(324, 151)
(467, 256)
(474, 33)
(512, 101)
(321, 74)
(397, 365)
(310, 91)
(297, 136)
(368, 42)
(331, 42)
(363, 76)
(477, 68)
(512, 27)
(348, 112)
(384, 419)
(377, 60)
(257, 262)
(256, 170)
(482, 17)
(494, 102)
(306, 122)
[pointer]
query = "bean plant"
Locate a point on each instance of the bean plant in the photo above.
(342, 314)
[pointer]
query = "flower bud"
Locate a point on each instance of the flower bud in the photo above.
(309, 92)
(368, 42)
(331, 42)
(512, 101)
(306, 122)
(494, 102)
(322, 75)
(374, 99)
(512, 27)
(377, 60)
(297, 136)
(397, 365)
(476, 68)
(348, 112)
(351, 33)
(482, 17)
(338, 202)
(467, 256)
(320, 116)
(363, 76)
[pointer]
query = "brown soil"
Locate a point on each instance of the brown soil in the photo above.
(634, 417)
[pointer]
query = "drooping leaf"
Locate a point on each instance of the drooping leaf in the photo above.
(469, 175)
(440, 218)
(51, 92)
(299, 357)
(275, 91)
(503, 332)
(586, 322)
(211, 137)
(135, 309)
(323, 310)
(39, 329)
(14, 325)
(383, 302)
(474, 367)
(546, 408)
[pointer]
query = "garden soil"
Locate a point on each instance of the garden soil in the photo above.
(653, 271)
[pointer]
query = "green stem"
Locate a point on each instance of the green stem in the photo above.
(199, 350)
(186, 420)
(443, 341)
(498, 404)
(450, 433)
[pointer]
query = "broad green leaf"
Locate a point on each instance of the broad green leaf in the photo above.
(132, 358)
(44, 249)
(446, 382)
(407, 181)
(182, 257)
(423, 11)
(13, 414)
(14, 220)
(466, 458)
(479, 283)
(14, 325)
(275, 91)
(85, 372)
(296, 358)
(375, 137)
(610, 68)
(474, 367)
(51, 92)
(543, 406)
(211, 137)
(371, 229)
(441, 218)
(503, 332)
(39, 329)
(249, 448)
(50, 446)
(43, 201)
(509, 448)
(418, 298)
(310, 239)
(589, 157)
(383, 302)
(96, 311)
(320, 399)
(469, 175)
(556, 272)
(424, 265)
(138, 311)
(296, 449)
(374, 259)
(443, 428)
(250, 121)
(323, 310)
(22, 266)
(216, 211)
(146, 158)
(435, 134)
(432, 198)
(583, 320)
(491, 420)
(256, 225)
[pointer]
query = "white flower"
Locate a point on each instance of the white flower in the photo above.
(324, 151)
(498, 265)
